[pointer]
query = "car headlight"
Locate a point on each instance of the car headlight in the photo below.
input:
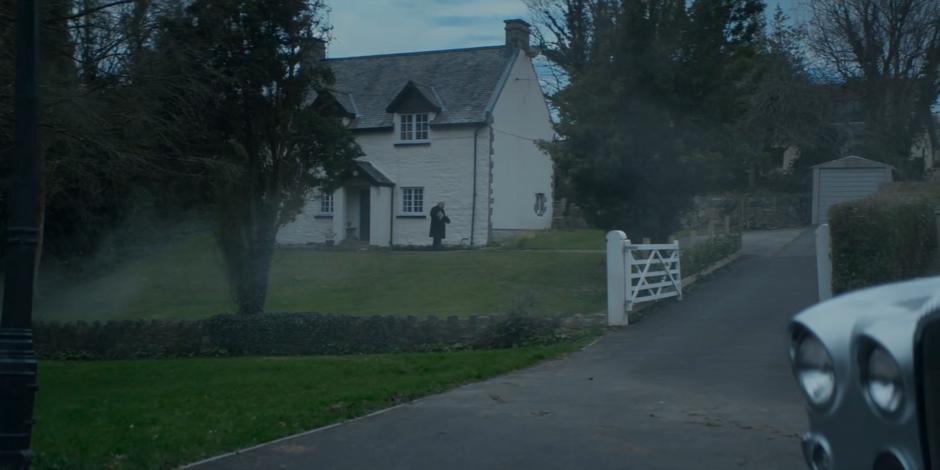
(817, 453)
(813, 368)
(881, 378)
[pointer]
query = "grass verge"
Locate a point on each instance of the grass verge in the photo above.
(561, 239)
(163, 413)
(187, 281)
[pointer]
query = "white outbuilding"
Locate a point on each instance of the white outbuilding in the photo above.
(846, 179)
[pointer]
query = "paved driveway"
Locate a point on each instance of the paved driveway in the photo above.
(698, 384)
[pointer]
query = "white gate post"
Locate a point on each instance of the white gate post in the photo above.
(823, 262)
(616, 279)
(628, 262)
(679, 265)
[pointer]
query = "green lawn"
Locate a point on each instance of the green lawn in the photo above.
(186, 281)
(162, 413)
(561, 239)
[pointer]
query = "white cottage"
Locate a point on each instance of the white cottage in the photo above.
(459, 126)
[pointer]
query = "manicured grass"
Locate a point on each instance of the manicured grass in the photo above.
(163, 413)
(187, 281)
(561, 239)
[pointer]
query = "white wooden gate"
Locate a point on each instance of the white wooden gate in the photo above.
(639, 273)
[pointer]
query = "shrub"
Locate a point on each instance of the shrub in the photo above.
(888, 237)
(701, 255)
(517, 330)
(291, 334)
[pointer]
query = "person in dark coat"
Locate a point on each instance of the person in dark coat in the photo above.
(439, 221)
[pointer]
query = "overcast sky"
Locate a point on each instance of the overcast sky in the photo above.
(363, 27)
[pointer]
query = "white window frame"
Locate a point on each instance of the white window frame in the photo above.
(326, 200)
(408, 204)
(414, 127)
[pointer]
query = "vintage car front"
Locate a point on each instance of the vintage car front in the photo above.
(868, 363)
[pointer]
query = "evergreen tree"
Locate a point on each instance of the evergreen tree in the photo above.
(654, 86)
(259, 66)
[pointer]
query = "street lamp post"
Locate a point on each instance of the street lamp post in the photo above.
(17, 360)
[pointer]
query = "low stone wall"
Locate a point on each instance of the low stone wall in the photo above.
(566, 214)
(748, 211)
(291, 334)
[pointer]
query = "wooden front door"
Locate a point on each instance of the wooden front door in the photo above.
(365, 214)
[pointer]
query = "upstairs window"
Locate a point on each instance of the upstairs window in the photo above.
(326, 203)
(412, 200)
(413, 127)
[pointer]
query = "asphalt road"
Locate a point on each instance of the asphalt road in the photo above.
(698, 384)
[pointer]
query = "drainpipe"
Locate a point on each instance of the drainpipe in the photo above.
(473, 210)
(391, 218)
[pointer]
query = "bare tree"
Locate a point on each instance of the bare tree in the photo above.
(565, 32)
(889, 52)
(103, 85)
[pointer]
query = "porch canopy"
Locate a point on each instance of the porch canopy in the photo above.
(363, 206)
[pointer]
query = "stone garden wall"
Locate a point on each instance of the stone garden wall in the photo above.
(567, 215)
(748, 211)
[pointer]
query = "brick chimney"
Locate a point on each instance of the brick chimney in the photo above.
(517, 34)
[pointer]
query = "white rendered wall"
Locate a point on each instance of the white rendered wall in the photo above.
(520, 169)
(310, 226)
(445, 170)
(339, 215)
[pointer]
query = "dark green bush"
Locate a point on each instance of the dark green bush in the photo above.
(886, 238)
(291, 334)
(516, 330)
(701, 255)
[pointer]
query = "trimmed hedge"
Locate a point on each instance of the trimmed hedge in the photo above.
(703, 254)
(885, 238)
(294, 334)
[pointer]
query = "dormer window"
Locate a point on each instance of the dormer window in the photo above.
(414, 127)
(413, 108)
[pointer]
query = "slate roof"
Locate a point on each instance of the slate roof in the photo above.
(426, 92)
(347, 101)
(373, 174)
(462, 81)
(852, 162)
